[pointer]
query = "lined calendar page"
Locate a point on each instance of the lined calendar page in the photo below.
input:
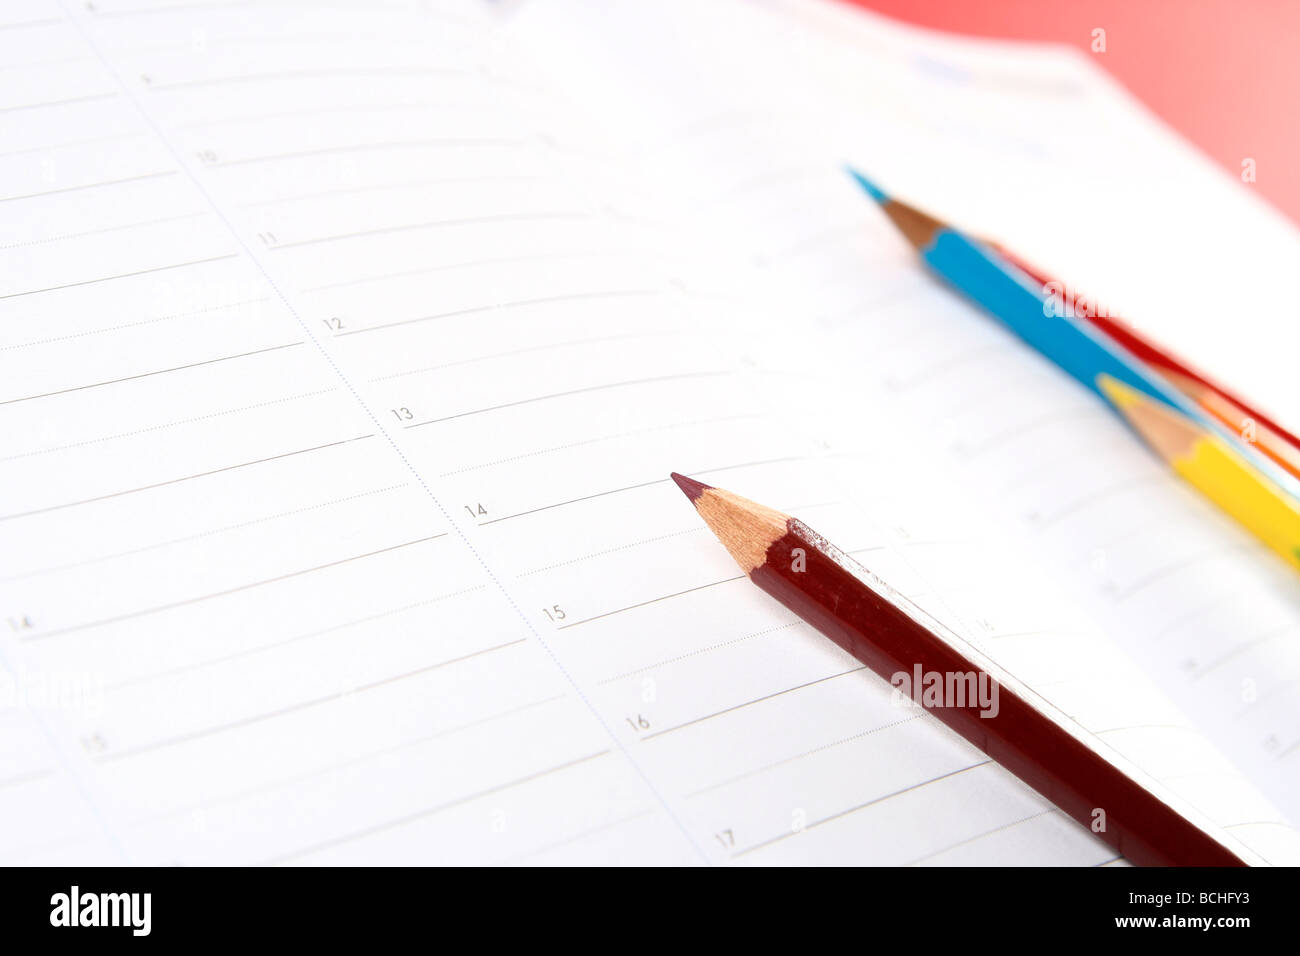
(346, 349)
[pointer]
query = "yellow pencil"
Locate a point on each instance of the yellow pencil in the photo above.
(1210, 464)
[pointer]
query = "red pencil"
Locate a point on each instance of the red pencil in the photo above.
(1025, 734)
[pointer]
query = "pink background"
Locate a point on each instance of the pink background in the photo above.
(1225, 73)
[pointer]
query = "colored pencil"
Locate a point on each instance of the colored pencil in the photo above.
(1212, 466)
(1246, 421)
(1027, 735)
(977, 270)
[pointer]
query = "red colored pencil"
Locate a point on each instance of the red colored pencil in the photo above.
(1025, 734)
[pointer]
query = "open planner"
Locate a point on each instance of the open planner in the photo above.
(345, 351)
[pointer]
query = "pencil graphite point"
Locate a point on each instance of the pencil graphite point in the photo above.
(872, 190)
(691, 488)
(1120, 395)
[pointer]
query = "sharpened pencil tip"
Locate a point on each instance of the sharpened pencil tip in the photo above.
(872, 190)
(1120, 395)
(691, 488)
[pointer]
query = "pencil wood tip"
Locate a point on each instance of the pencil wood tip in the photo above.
(691, 488)
(919, 228)
(1170, 433)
